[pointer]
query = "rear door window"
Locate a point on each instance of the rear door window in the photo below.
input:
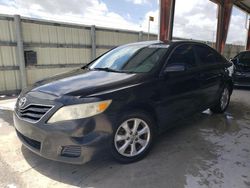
(205, 55)
(220, 58)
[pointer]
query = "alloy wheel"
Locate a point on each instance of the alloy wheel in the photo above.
(132, 137)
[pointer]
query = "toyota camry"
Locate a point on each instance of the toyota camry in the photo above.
(121, 101)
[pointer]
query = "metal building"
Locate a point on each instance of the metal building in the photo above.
(167, 9)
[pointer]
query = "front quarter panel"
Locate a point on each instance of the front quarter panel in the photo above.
(140, 96)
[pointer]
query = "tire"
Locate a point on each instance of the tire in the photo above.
(223, 101)
(130, 144)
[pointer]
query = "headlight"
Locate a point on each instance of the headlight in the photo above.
(79, 111)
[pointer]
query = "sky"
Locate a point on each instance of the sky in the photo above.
(194, 19)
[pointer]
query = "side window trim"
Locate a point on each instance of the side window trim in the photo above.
(199, 61)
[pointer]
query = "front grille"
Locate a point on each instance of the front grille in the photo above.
(33, 112)
(71, 151)
(33, 143)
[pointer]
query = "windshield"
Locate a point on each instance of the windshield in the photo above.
(134, 58)
(244, 58)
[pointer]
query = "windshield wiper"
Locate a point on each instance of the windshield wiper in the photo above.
(85, 67)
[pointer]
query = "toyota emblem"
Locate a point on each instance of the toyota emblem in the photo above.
(22, 102)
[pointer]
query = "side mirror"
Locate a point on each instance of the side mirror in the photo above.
(175, 68)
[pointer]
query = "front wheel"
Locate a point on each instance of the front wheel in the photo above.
(133, 137)
(223, 103)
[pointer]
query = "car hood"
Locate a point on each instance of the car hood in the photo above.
(243, 67)
(83, 82)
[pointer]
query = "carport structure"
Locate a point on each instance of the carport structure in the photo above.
(167, 9)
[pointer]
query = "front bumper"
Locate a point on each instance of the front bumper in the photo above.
(76, 141)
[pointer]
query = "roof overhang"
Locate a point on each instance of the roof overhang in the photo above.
(242, 4)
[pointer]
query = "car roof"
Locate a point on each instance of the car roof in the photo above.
(159, 43)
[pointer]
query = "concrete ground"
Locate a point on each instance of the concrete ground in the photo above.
(206, 150)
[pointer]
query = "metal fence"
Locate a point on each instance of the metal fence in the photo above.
(59, 47)
(230, 50)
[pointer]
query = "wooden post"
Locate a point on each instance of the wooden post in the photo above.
(167, 8)
(248, 38)
(224, 16)
(93, 42)
(20, 51)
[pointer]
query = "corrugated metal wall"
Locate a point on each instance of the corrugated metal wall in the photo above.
(59, 47)
(230, 50)
(9, 74)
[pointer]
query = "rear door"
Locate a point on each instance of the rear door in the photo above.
(211, 73)
(178, 93)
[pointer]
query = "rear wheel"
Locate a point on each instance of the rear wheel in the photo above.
(133, 137)
(223, 102)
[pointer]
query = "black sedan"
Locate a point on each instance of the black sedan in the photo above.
(120, 102)
(242, 69)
